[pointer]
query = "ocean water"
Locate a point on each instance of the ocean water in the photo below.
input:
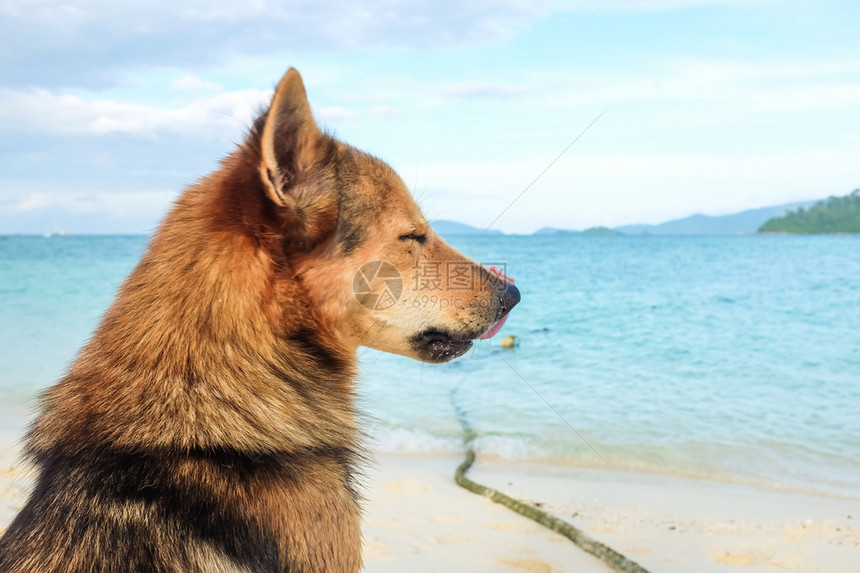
(728, 358)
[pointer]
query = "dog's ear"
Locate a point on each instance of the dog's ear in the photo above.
(290, 142)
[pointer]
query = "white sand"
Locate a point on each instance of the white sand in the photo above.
(14, 484)
(418, 520)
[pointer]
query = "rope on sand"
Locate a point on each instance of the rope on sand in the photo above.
(612, 558)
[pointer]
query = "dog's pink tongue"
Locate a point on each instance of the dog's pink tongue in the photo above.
(494, 329)
(497, 326)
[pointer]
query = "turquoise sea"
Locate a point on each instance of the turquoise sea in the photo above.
(730, 358)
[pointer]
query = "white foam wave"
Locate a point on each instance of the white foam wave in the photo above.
(415, 441)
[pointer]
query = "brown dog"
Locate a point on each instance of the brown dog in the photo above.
(209, 424)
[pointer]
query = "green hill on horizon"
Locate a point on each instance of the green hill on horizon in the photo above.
(835, 215)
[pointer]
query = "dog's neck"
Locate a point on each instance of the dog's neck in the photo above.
(199, 351)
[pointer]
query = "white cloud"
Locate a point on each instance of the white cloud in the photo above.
(110, 204)
(335, 114)
(657, 5)
(32, 202)
(612, 190)
(495, 90)
(760, 87)
(95, 43)
(191, 83)
(722, 85)
(41, 111)
(809, 97)
(40, 211)
(386, 111)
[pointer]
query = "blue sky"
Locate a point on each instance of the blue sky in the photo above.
(108, 109)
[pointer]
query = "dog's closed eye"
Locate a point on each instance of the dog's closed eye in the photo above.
(419, 238)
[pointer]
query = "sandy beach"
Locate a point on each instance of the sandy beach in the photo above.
(418, 520)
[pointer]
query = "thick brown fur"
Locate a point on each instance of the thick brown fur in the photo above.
(209, 423)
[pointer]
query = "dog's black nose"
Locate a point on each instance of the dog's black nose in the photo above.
(509, 298)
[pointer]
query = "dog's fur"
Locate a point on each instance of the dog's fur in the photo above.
(208, 425)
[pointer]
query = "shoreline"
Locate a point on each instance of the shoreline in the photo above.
(418, 519)
(618, 460)
(13, 434)
(637, 472)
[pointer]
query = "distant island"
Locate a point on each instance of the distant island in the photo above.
(600, 231)
(742, 223)
(446, 228)
(835, 215)
(554, 231)
(591, 231)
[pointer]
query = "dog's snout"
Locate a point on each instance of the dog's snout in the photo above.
(508, 298)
